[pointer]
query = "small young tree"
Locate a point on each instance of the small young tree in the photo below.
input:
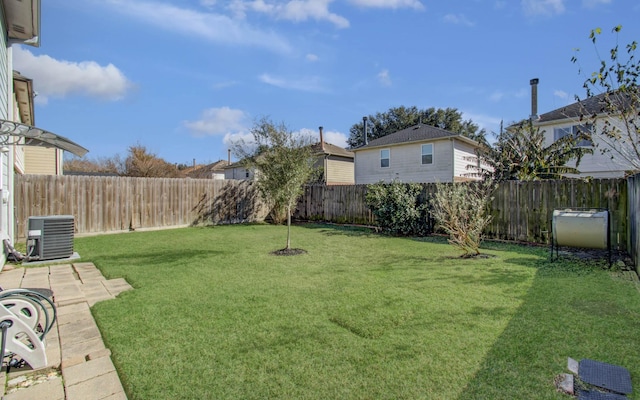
(614, 91)
(397, 207)
(283, 163)
(461, 210)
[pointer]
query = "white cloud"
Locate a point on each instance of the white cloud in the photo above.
(393, 4)
(301, 10)
(486, 122)
(496, 96)
(59, 78)
(561, 94)
(311, 57)
(211, 27)
(218, 121)
(293, 10)
(458, 19)
(594, 3)
(336, 138)
(231, 139)
(311, 84)
(333, 137)
(384, 78)
(543, 7)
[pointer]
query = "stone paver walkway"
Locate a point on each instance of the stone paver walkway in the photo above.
(79, 365)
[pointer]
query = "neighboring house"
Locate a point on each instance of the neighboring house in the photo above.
(336, 163)
(568, 120)
(20, 24)
(237, 171)
(420, 153)
(214, 170)
(38, 160)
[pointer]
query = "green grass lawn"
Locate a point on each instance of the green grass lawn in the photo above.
(215, 316)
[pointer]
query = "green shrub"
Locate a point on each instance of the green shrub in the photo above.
(398, 208)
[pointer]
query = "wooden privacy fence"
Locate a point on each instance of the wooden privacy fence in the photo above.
(521, 210)
(634, 219)
(114, 204)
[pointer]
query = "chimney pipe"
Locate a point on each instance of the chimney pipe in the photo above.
(194, 163)
(364, 131)
(534, 98)
(229, 156)
(321, 138)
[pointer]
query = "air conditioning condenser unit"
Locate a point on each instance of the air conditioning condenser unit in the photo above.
(50, 237)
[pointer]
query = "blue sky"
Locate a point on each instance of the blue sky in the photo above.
(186, 77)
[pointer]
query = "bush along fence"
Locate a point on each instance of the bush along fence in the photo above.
(520, 211)
(116, 204)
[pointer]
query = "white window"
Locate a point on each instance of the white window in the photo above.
(575, 130)
(427, 154)
(384, 158)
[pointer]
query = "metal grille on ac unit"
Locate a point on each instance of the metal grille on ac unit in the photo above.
(50, 237)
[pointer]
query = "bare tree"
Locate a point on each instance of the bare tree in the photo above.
(109, 165)
(141, 163)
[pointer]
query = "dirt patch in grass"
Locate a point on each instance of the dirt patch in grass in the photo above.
(288, 252)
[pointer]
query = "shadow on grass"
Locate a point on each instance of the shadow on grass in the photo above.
(339, 230)
(158, 257)
(563, 314)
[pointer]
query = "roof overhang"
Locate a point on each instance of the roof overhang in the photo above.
(11, 132)
(23, 90)
(22, 19)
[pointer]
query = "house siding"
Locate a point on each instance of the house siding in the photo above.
(6, 73)
(339, 172)
(405, 163)
(238, 173)
(41, 160)
(607, 164)
(6, 85)
(465, 160)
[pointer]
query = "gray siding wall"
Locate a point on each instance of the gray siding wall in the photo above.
(6, 84)
(464, 158)
(405, 163)
(5, 70)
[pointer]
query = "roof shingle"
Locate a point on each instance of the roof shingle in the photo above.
(412, 134)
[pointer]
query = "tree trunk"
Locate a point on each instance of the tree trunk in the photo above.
(288, 227)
